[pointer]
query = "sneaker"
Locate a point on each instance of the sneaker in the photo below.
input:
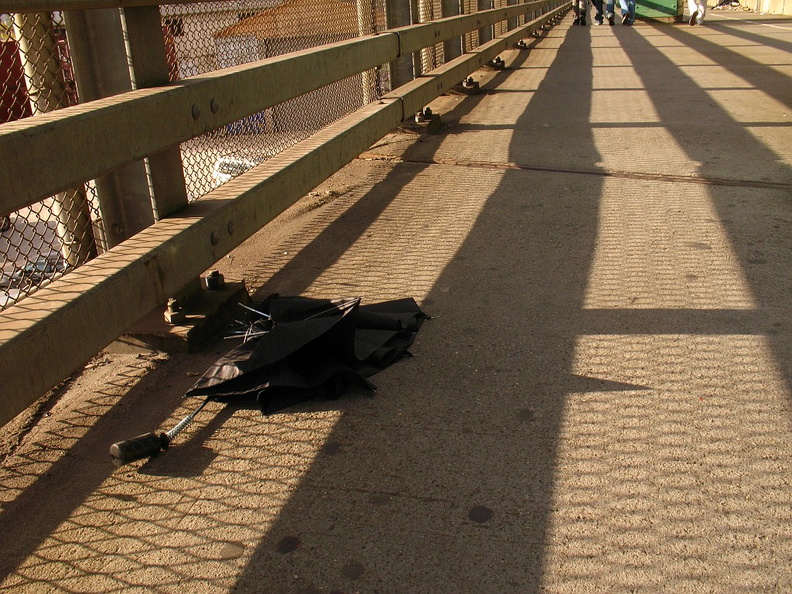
(610, 20)
(626, 19)
(693, 18)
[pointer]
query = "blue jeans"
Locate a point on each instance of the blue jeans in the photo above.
(628, 8)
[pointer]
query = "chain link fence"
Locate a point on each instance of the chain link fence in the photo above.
(202, 38)
(42, 241)
(47, 239)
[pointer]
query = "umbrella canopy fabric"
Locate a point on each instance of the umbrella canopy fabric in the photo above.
(296, 348)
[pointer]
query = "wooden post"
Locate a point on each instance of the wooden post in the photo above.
(101, 69)
(44, 81)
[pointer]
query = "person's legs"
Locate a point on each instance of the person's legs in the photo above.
(627, 11)
(693, 9)
(583, 11)
(702, 12)
(609, 8)
(598, 12)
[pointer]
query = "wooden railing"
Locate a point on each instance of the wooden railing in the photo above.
(51, 333)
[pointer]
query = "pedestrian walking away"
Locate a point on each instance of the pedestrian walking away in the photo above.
(599, 14)
(610, 11)
(698, 10)
(627, 11)
(579, 9)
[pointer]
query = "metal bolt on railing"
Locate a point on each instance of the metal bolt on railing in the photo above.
(215, 280)
(470, 86)
(497, 63)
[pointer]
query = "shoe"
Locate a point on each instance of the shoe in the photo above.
(693, 18)
(576, 21)
(582, 17)
(610, 20)
(626, 19)
(597, 22)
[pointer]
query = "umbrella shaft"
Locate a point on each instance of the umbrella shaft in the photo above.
(182, 425)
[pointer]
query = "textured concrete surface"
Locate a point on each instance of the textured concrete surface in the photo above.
(601, 404)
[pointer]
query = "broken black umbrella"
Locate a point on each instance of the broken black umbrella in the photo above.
(294, 349)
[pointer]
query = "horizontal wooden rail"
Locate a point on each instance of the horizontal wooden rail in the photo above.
(128, 127)
(93, 305)
(421, 91)
(415, 37)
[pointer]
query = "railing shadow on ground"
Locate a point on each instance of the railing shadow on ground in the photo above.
(753, 218)
(446, 480)
(762, 76)
(451, 485)
(298, 261)
(736, 31)
(681, 488)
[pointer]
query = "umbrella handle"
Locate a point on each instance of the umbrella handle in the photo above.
(136, 448)
(148, 444)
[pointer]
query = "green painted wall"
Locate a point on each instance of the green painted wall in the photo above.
(659, 10)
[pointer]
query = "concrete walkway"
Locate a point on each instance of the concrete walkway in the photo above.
(601, 404)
